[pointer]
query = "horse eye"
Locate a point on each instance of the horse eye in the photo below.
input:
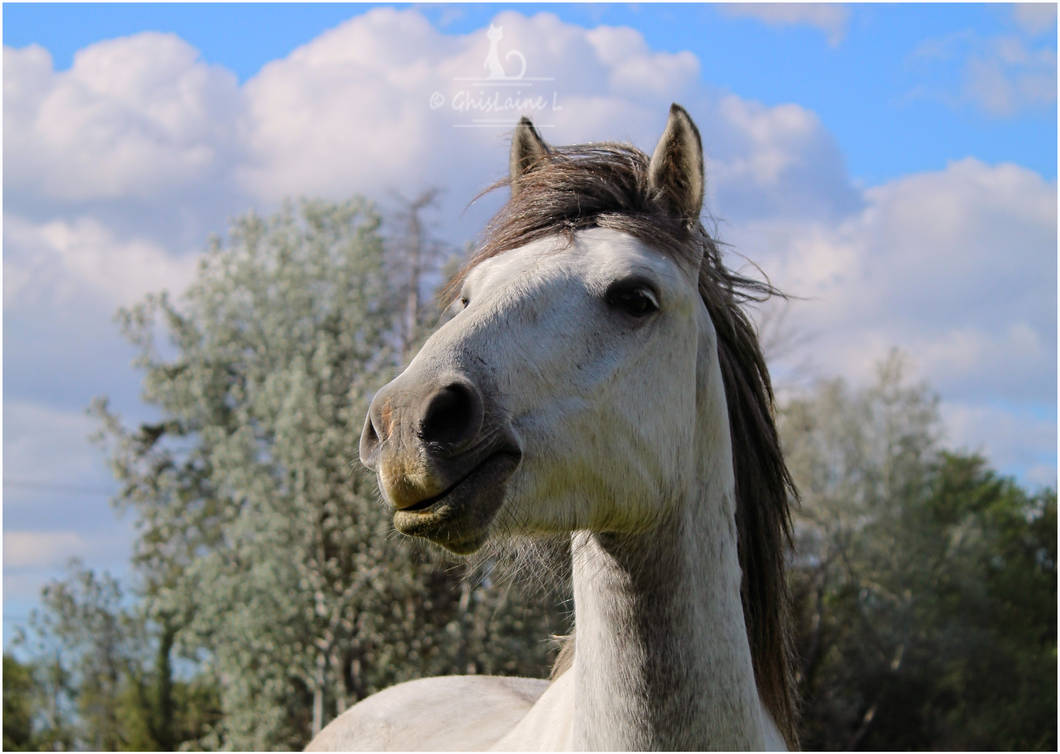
(635, 299)
(464, 301)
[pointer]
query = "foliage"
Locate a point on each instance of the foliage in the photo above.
(262, 540)
(85, 645)
(18, 705)
(925, 584)
(90, 683)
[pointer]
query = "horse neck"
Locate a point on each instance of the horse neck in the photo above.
(662, 659)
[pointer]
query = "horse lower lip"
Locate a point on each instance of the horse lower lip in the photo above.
(424, 506)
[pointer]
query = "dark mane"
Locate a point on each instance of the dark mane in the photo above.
(606, 185)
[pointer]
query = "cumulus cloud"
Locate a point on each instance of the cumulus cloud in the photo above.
(365, 110)
(164, 141)
(360, 104)
(763, 159)
(958, 267)
(636, 69)
(133, 116)
(81, 261)
(117, 166)
(829, 18)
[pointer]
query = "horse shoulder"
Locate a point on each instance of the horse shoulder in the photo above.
(549, 724)
(446, 713)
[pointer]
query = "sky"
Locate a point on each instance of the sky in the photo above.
(892, 165)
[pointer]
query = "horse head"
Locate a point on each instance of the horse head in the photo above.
(566, 390)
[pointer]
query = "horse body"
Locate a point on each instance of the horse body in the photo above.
(580, 388)
(447, 713)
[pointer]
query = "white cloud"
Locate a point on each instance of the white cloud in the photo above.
(774, 161)
(140, 120)
(958, 268)
(637, 70)
(55, 502)
(133, 116)
(117, 166)
(354, 101)
(830, 18)
(33, 557)
(81, 261)
(1041, 475)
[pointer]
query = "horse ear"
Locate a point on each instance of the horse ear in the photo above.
(675, 173)
(527, 148)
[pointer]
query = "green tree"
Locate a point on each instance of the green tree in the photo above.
(906, 580)
(85, 644)
(88, 651)
(194, 707)
(19, 694)
(261, 538)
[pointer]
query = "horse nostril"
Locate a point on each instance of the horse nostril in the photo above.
(369, 447)
(453, 415)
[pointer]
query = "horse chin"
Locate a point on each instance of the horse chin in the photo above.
(459, 519)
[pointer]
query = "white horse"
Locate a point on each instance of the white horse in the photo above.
(599, 379)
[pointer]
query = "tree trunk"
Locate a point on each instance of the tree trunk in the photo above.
(164, 708)
(319, 682)
(415, 259)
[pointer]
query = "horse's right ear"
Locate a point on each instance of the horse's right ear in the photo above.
(527, 148)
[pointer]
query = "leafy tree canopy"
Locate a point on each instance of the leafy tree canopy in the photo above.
(925, 583)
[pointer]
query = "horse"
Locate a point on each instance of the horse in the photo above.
(600, 380)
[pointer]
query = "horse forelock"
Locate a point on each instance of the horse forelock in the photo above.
(606, 185)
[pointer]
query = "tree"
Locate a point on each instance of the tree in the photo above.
(18, 705)
(902, 551)
(85, 645)
(89, 683)
(261, 538)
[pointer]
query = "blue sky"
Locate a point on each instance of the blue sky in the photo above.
(894, 164)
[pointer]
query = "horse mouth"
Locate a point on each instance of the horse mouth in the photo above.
(459, 517)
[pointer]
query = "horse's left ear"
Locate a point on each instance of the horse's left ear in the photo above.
(527, 148)
(675, 173)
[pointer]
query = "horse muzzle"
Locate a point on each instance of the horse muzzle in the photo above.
(442, 456)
